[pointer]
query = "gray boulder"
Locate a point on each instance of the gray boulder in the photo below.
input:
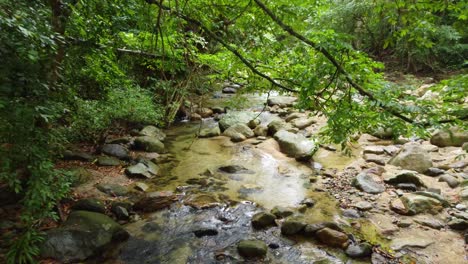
(252, 248)
(404, 177)
(365, 182)
(235, 117)
(210, 132)
(238, 132)
(453, 136)
(294, 145)
(153, 131)
(83, 235)
(302, 122)
(144, 169)
(116, 150)
(108, 161)
(149, 143)
(281, 101)
(412, 157)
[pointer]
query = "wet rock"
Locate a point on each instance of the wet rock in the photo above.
(277, 125)
(429, 222)
(351, 213)
(252, 248)
(403, 177)
(294, 145)
(152, 131)
(210, 132)
(112, 189)
(434, 195)
(434, 172)
(238, 132)
(143, 169)
(204, 112)
(108, 161)
(404, 222)
(281, 212)
(235, 117)
(292, 116)
(309, 202)
(400, 243)
(195, 117)
(115, 150)
(332, 237)
(141, 186)
(375, 159)
(450, 180)
(383, 133)
(453, 136)
(366, 183)
(261, 131)
(361, 250)
(235, 169)
(281, 101)
(84, 234)
(458, 224)
(253, 123)
(302, 123)
(465, 146)
(120, 212)
(229, 90)
(263, 219)
(412, 157)
(90, 205)
(412, 204)
(459, 165)
(77, 155)
(363, 206)
(149, 144)
(218, 110)
(205, 230)
(202, 201)
(155, 201)
(250, 188)
(378, 150)
(292, 226)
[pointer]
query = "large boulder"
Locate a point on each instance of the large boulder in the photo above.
(453, 136)
(263, 219)
(295, 145)
(143, 169)
(238, 132)
(281, 101)
(302, 122)
(153, 131)
(277, 125)
(235, 117)
(252, 248)
(412, 157)
(209, 132)
(116, 150)
(332, 237)
(403, 177)
(366, 183)
(413, 203)
(149, 143)
(83, 235)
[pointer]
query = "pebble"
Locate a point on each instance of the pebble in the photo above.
(461, 207)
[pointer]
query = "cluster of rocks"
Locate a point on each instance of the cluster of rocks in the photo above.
(411, 181)
(291, 224)
(93, 225)
(289, 132)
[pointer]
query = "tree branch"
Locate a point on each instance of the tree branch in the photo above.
(226, 45)
(333, 61)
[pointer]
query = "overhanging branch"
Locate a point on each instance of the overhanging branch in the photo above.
(332, 60)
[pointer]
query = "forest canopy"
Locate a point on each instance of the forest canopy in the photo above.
(71, 68)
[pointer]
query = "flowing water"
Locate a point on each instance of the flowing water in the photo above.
(272, 179)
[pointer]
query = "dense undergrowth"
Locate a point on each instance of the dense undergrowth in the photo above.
(72, 68)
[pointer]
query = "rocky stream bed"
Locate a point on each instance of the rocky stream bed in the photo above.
(248, 190)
